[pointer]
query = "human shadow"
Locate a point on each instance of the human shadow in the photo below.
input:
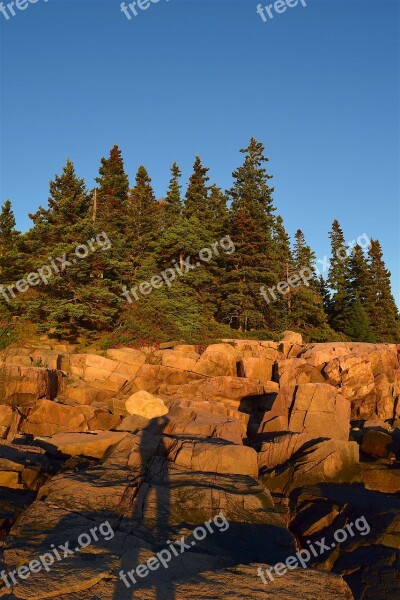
(149, 501)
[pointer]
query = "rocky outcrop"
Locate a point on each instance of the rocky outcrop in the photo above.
(314, 408)
(287, 442)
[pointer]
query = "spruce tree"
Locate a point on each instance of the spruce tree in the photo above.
(173, 202)
(307, 303)
(76, 297)
(197, 192)
(10, 267)
(338, 279)
(112, 193)
(284, 268)
(254, 263)
(359, 327)
(381, 306)
(216, 214)
(144, 217)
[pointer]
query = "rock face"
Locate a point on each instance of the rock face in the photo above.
(252, 450)
(314, 408)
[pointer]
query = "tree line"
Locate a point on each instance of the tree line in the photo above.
(221, 299)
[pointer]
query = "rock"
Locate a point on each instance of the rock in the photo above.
(257, 367)
(369, 557)
(184, 360)
(377, 443)
(381, 478)
(186, 422)
(218, 360)
(292, 337)
(230, 391)
(214, 457)
(145, 405)
(365, 376)
(313, 408)
(10, 479)
(298, 370)
(49, 418)
(80, 392)
(92, 445)
(295, 460)
(158, 379)
(23, 386)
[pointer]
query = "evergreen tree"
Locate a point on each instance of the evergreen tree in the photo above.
(338, 279)
(143, 217)
(75, 298)
(284, 267)
(323, 291)
(197, 192)
(359, 328)
(9, 238)
(68, 205)
(360, 281)
(254, 263)
(216, 214)
(173, 201)
(381, 307)
(307, 302)
(112, 194)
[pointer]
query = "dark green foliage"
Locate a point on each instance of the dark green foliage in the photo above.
(10, 257)
(359, 328)
(379, 303)
(197, 191)
(307, 303)
(112, 193)
(338, 279)
(173, 201)
(144, 218)
(135, 237)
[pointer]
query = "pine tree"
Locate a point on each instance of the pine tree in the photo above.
(173, 202)
(338, 279)
(307, 303)
(323, 291)
(360, 281)
(68, 205)
(10, 257)
(143, 217)
(78, 297)
(359, 327)
(197, 192)
(284, 268)
(381, 307)
(254, 263)
(112, 194)
(216, 214)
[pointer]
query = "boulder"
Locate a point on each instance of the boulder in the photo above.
(377, 443)
(382, 478)
(217, 360)
(292, 337)
(230, 391)
(180, 358)
(294, 460)
(186, 422)
(223, 458)
(92, 445)
(314, 408)
(23, 386)
(145, 405)
(49, 418)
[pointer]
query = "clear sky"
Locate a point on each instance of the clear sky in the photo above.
(318, 85)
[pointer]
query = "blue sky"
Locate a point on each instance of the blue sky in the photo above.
(318, 85)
